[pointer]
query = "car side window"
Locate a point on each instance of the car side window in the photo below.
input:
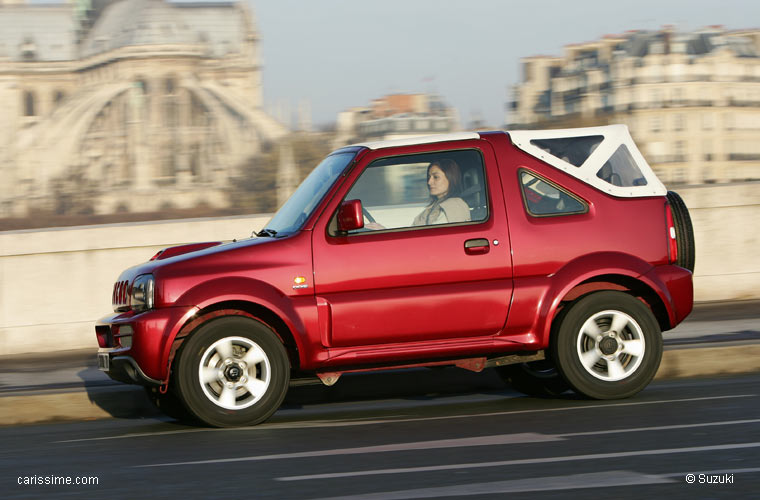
(621, 170)
(573, 150)
(422, 190)
(543, 198)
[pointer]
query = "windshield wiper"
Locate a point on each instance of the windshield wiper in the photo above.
(266, 232)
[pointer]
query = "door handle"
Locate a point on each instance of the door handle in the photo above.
(476, 246)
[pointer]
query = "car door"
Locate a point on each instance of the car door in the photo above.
(395, 281)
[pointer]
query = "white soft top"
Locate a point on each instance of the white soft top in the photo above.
(423, 139)
(604, 157)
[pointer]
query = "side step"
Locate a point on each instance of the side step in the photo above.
(329, 378)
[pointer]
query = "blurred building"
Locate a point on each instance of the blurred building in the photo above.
(137, 105)
(691, 100)
(396, 116)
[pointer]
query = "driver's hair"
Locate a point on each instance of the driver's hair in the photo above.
(451, 170)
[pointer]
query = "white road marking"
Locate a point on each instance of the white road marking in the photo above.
(604, 479)
(494, 440)
(660, 428)
(608, 479)
(355, 422)
(527, 461)
(527, 437)
(272, 426)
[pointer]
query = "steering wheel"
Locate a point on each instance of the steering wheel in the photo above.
(368, 215)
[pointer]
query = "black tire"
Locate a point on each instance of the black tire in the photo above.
(601, 363)
(246, 372)
(538, 378)
(684, 231)
(169, 404)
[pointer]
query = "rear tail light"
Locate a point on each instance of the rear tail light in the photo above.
(672, 241)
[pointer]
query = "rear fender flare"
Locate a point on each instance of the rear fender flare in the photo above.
(587, 268)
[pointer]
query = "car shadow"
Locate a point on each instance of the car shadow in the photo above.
(408, 384)
(413, 384)
(114, 398)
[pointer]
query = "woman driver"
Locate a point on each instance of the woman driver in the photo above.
(445, 185)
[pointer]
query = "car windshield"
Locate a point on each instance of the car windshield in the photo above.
(291, 216)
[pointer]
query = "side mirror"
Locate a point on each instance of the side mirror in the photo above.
(350, 216)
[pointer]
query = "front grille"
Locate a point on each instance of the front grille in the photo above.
(120, 297)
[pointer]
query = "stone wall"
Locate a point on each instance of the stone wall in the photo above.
(727, 234)
(55, 283)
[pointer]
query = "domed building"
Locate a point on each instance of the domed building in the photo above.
(138, 105)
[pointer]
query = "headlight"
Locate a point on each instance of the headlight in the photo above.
(142, 293)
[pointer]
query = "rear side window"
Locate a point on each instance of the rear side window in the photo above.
(544, 198)
(621, 170)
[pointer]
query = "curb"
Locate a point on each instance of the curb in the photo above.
(695, 361)
(126, 401)
(79, 404)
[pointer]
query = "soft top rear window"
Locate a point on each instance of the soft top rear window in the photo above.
(574, 150)
(621, 170)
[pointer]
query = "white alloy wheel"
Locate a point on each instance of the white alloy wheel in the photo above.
(234, 373)
(610, 345)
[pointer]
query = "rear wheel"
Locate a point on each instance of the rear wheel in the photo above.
(233, 371)
(608, 346)
(538, 378)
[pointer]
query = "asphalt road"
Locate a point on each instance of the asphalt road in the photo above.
(431, 442)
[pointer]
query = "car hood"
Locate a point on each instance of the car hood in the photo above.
(177, 255)
(183, 249)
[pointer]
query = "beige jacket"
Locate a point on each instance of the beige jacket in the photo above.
(449, 210)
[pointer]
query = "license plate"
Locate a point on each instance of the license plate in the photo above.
(104, 361)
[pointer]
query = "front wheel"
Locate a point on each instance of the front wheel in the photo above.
(608, 346)
(170, 404)
(233, 371)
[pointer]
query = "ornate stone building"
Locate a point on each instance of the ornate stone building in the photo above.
(691, 100)
(137, 105)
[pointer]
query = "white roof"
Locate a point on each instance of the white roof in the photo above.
(607, 167)
(603, 157)
(411, 141)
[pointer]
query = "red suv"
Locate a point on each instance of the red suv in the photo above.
(556, 256)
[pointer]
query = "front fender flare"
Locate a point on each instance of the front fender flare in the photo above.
(238, 289)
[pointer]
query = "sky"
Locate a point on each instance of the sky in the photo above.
(337, 54)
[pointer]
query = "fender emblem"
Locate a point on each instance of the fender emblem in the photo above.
(300, 282)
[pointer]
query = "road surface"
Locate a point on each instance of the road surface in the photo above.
(419, 440)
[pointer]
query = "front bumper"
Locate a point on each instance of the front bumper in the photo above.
(123, 369)
(134, 348)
